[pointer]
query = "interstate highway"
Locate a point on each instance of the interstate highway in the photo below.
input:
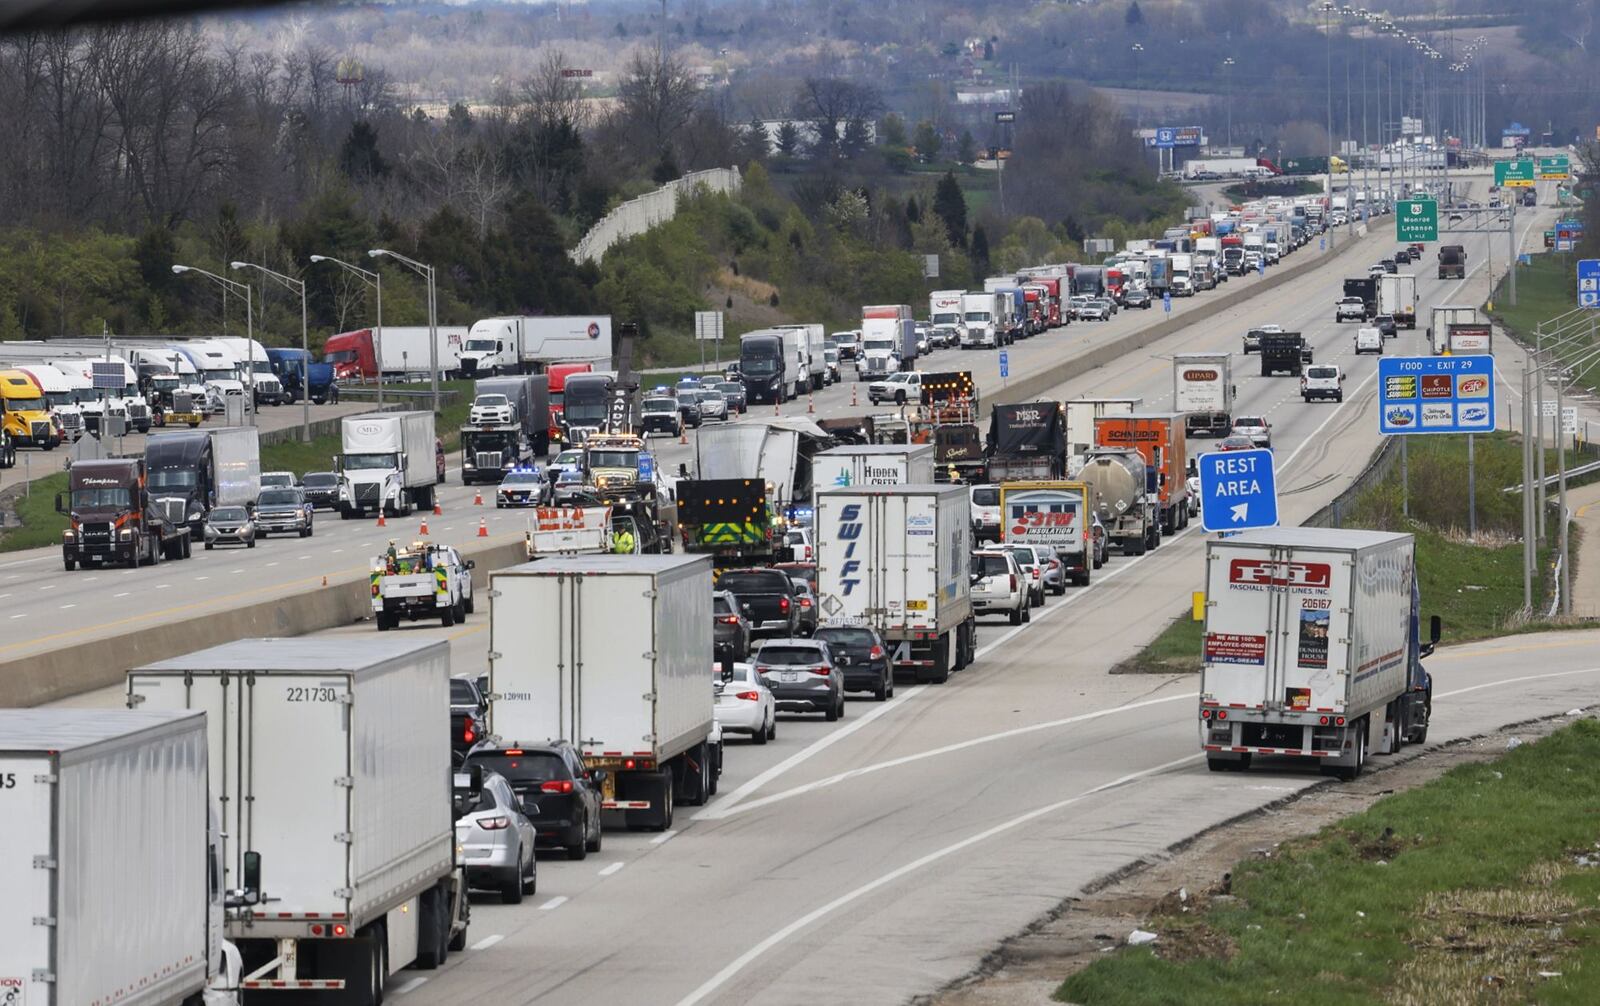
(878, 858)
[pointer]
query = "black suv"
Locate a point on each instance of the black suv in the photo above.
(862, 656)
(559, 795)
(468, 715)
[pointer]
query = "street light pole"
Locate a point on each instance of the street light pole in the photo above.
(290, 283)
(1327, 9)
(249, 328)
(375, 279)
(427, 272)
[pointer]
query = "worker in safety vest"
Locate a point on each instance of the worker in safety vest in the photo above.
(622, 542)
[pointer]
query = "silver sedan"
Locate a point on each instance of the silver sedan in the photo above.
(496, 838)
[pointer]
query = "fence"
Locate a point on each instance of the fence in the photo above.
(1376, 471)
(638, 215)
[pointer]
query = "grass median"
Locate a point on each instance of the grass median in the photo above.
(1482, 886)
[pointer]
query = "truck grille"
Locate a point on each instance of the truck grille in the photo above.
(277, 520)
(367, 495)
(40, 431)
(488, 459)
(173, 509)
(138, 410)
(70, 420)
(96, 537)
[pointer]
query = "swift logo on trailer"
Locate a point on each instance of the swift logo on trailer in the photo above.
(849, 531)
(1261, 573)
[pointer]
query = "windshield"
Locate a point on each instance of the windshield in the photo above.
(462, 693)
(491, 401)
(504, 442)
(946, 318)
(263, 367)
(26, 404)
(759, 366)
(229, 513)
(368, 462)
(1322, 372)
(874, 344)
(986, 496)
(521, 478)
(164, 381)
(523, 768)
(846, 637)
(99, 499)
(613, 459)
(58, 399)
(730, 388)
(278, 497)
(320, 480)
(989, 564)
(977, 315)
(566, 458)
(342, 356)
(276, 479)
(480, 345)
(172, 478)
(789, 655)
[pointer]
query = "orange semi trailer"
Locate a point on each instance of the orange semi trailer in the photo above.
(1159, 439)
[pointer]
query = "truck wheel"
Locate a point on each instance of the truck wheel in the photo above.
(71, 564)
(1016, 616)
(433, 929)
(447, 618)
(209, 546)
(460, 611)
(941, 661)
(383, 622)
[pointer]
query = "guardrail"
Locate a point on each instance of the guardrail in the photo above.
(1377, 469)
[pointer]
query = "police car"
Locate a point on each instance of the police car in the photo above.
(520, 487)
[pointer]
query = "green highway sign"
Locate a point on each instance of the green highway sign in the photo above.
(1416, 220)
(1558, 167)
(1513, 174)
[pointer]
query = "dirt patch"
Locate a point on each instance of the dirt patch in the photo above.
(1027, 969)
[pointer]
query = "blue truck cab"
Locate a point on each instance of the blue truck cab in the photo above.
(289, 364)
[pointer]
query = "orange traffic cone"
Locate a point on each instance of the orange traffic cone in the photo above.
(324, 579)
(438, 511)
(683, 435)
(811, 404)
(381, 521)
(483, 528)
(852, 396)
(477, 498)
(423, 530)
(775, 410)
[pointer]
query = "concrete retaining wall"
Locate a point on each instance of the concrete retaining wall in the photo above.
(639, 215)
(82, 667)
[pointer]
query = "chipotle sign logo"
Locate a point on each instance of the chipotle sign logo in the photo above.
(1199, 375)
(1260, 573)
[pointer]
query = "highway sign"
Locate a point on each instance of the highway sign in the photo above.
(708, 326)
(1435, 394)
(1004, 117)
(1513, 174)
(1166, 302)
(1238, 490)
(1569, 419)
(1589, 282)
(1416, 220)
(1005, 364)
(1557, 168)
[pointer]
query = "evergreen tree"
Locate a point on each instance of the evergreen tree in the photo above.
(967, 148)
(980, 251)
(1135, 16)
(950, 205)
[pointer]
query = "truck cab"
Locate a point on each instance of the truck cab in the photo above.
(488, 452)
(585, 405)
(112, 518)
(611, 464)
(27, 412)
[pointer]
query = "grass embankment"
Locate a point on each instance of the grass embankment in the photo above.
(41, 525)
(1479, 887)
(1474, 584)
(1545, 289)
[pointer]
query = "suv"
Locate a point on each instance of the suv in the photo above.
(1386, 324)
(1369, 340)
(1032, 569)
(768, 598)
(730, 630)
(899, 388)
(984, 502)
(1252, 338)
(468, 715)
(283, 510)
(802, 676)
(560, 796)
(862, 657)
(1255, 427)
(1349, 309)
(1324, 381)
(689, 407)
(733, 394)
(999, 586)
(661, 415)
(495, 837)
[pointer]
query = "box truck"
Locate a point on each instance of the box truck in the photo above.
(1312, 648)
(527, 345)
(897, 558)
(107, 859)
(331, 763)
(1203, 390)
(1051, 513)
(1441, 318)
(1397, 296)
(391, 462)
(637, 703)
(810, 342)
(1159, 439)
(873, 465)
(528, 401)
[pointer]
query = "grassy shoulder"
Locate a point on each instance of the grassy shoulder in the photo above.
(1546, 288)
(36, 510)
(1478, 887)
(1176, 651)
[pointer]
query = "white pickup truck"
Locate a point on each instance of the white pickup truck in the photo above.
(423, 581)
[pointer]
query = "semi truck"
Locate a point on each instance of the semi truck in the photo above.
(489, 450)
(586, 406)
(982, 318)
(113, 519)
(1026, 441)
(528, 396)
(1081, 414)
(873, 465)
(809, 342)
(296, 370)
(1283, 352)
(26, 412)
(1159, 439)
(1397, 297)
(112, 891)
(192, 471)
(637, 704)
(557, 374)
(1452, 262)
(897, 558)
(1054, 514)
(390, 463)
(1203, 390)
(395, 351)
(1313, 648)
(1441, 317)
(1183, 284)
(769, 367)
(333, 774)
(944, 307)
(888, 339)
(526, 345)
(1123, 497)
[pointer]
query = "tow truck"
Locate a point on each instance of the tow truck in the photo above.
(612, 467)
(425, 580)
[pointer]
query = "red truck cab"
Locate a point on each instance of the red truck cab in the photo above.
(558, 374)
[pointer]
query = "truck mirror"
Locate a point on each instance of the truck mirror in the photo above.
(471, 564)
(252, 871)
(475, 777)
(1435, 628)
(483, 685)
(60, 508)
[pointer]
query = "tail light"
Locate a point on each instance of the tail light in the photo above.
(468, 735)
(497, 823)
(805, 602)
(875, 652)
(783, 604)
(749, 696)
(556, 786)
(728, 619)
(1013, 581)
(821, 669)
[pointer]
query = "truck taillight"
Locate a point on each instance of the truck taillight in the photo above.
(783, 604)
(556, 786)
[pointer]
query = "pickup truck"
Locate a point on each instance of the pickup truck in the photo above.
(769, 596)
(425, 580)
(900, 388)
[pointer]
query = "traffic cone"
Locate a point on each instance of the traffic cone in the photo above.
(324, 579)
(477, 498)
(852, 396)
(423, 530)
(776, 411)
(381, 521)
(483, 528)
(683, 435)
(811, 404)
(438, 511)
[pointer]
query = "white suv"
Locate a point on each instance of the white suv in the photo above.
(985, 511)
(999, 585)
(1322, 381)
(1369, 340)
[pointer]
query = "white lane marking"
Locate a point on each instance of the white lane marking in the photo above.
(946, 749)
(125, 593)
(613, 868)
(272, 564)
(414, 983)
(236, 571)
(15, 617)
(663, 837)
(487, 942)
(739, 963)
(1518, 681)
(163, 586)
(48, 586)
(65, 606)
(337, 551)
(199, 578)
(301, 558)
(553, 903)
(5, 595)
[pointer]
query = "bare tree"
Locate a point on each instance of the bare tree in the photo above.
(832, 103)
(550, 97)
(656, 97)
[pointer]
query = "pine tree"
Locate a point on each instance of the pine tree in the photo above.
(950, 205)
(980, 251)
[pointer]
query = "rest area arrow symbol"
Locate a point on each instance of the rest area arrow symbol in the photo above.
(1240, 512)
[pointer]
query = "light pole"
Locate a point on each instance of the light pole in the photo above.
(249, 326)
(1327, 10)
(1139, 108)
(1228, 63)
(374, 279)
(427, 272)
(290, 283)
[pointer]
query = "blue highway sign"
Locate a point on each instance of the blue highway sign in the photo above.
(1005, 364)
(1589, 282)
(1166, 302)
(1436, 394)
(1238, 490)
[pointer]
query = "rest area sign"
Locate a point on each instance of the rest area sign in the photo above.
(1238, 490)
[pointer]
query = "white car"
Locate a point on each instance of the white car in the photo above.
(713, 405)
(799, 539)
(744, 705)
(1369, 340)
(491, 409)
(1255, 427)
(1322, 381)
(1350, 309)
(277, 480)
(899, 388)
(1000, 586)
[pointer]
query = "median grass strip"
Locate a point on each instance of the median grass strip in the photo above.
(1482, 886)
(35, 506)
(1175, 651)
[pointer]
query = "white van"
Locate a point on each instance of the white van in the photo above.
(1369, 340)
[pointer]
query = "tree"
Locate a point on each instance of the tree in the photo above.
(980, 250)
(857, 138)
(1135, 16)
(754, 141)
(788, 142)
(655, 99)
(831, 103)
(927, 141)
(966, 148)
(359, 157)
(950, 206)
(988, 49)
(893, 133)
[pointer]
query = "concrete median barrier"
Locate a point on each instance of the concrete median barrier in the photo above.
(80, 667)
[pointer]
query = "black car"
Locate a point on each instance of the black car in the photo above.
(689, 407)
(733, 391)
(1389, 265)
(559, 795)
(468, 715)
(1403, 255)
(730, 629)
(862, 657)
(1385, 324)
(1137, 297)
(322, 490)
(768, 599)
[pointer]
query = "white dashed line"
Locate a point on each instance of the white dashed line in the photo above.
(613, 868)
(414, 983)
(125, 593)
(48, 586)
(553, 903)
(663, 837)
(487, 942)
(15, 617)
(65, 606)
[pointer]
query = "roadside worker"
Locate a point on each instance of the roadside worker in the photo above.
(622, 542)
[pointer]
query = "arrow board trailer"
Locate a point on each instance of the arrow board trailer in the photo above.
(897, 558)
(1311, 648)
(1202, 389)
(614, 653)
(1053, 514)
(332, 770)
(874, 465)
(104, 858)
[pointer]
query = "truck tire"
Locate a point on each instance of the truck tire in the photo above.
(664, 818)
(941, 661)
(511, 886)
(1016, 616)
(384, 622)
(461, 612)
(433, 928)
(458, 939)
(447, 618)
(71, 564)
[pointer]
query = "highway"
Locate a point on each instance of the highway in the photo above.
(879, 858)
